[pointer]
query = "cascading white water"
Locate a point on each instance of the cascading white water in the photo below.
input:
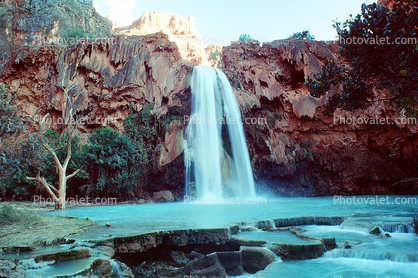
(216, 154)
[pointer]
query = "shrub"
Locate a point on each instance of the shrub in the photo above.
(245, 37)
(75, 34)
(304, 35)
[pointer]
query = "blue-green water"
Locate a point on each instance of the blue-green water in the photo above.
(370, 256)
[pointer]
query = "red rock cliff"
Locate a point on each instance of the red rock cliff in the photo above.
(297, 149)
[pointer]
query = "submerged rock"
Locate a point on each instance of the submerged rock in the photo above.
(256, 258)
(375, 231)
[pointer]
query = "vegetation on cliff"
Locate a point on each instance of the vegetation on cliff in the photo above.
(380, 46)
(303, 35)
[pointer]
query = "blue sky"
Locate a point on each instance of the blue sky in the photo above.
(219, 22)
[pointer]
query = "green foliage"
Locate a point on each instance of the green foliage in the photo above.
(75, 34)
(303, 35)
(17, 161)
(379, 63)
(215, 57)
(245, 37)
(10, 215)
(28, 157)
(10, 121)
(111, 161)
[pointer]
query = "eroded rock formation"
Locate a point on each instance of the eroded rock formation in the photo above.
(39, 22)
(179, 29)
(293, 145)
(110, 79)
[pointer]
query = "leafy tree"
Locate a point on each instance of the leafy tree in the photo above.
(111, 161)
(245, 37)
(304, 35)
(18, 160)
(375, 59)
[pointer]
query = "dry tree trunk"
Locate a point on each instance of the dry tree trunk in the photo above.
(58, 195)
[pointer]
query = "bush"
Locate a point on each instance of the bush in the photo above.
(111, 161)
(245, 37)
(304, 35)
(10, 215)
(75, 34)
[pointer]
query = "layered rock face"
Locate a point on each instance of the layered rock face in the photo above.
(179, 29)
(39, 22)
(294, 148)
(107, 80)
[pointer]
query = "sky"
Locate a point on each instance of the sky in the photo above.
(222, 21)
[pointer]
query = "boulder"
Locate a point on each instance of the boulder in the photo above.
(255, 259)
(375, 231)
(163, 197)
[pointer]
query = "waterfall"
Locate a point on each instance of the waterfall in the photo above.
(398, 228)
(216, 154)
(116, 270)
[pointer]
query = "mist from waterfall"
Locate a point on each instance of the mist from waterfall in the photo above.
(216, 154)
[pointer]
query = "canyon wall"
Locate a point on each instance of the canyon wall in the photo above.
(39, 22)
(294, 148)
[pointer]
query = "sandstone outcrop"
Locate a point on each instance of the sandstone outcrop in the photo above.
(179, 29)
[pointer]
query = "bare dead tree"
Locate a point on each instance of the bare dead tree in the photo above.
(58, 194)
